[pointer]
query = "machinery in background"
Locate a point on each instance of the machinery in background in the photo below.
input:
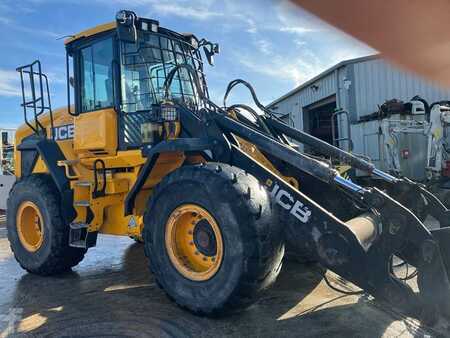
(7, 177)
(408, 140)
(438, 150)
(7, 151)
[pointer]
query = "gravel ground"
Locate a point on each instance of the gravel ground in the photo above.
(111, 293)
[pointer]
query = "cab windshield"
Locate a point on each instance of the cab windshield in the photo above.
(145, 65)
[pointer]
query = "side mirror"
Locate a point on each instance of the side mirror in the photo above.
(210, 49)
(209, 54)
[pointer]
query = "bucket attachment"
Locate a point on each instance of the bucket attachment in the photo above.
(367, 262)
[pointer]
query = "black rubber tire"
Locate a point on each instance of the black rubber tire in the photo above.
(444, 197)
(253, 240)
(137, 239)
(298, 244)
(55, 255)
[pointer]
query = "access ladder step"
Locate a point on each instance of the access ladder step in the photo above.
(82, 203)
(78, 225)
(68, 162)
(78, 244)
(83, 184)
(80, 237)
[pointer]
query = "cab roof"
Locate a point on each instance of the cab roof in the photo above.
(92, 31)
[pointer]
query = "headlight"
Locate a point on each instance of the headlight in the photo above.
(154, 26)
(169, 112)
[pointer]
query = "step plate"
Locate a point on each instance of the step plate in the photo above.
(79, 237)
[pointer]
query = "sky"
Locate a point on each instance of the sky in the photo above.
(269, 43)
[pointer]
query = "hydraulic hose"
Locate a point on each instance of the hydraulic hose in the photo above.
(254, 114)
(191, 71)
(236, 82)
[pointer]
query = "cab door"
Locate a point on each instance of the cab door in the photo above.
(95, 126)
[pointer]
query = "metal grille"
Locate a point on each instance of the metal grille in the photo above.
(130, 127)
(145, 67)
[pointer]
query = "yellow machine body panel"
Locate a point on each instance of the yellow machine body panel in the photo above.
(95, 133)
(93, 136)
(61, 117)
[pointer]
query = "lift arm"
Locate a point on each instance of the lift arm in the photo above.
(407, 191)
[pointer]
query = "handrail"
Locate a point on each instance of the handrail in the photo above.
(348, 138)
(38, 103)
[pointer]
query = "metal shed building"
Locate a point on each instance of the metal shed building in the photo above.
(358, 86)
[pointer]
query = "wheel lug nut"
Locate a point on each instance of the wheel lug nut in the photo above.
(191, 243)
(190, 232)
(205, 259)
(197, 253)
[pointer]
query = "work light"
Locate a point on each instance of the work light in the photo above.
(169, 112)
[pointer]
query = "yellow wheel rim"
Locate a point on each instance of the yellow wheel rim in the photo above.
(30, 226)
(194, 242)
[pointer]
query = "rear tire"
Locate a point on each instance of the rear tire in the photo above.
(45, 251)
(249, 243)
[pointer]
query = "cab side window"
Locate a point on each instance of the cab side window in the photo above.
(96, 76)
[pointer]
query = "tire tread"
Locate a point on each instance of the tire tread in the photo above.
(62, 257)
(263, 243)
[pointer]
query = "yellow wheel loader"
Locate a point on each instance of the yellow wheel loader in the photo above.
(214, 191)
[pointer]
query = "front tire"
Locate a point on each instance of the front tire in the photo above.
(212, 238)
(37, 232)
(137, 239)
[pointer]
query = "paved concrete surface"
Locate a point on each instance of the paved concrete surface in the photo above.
(111, 293)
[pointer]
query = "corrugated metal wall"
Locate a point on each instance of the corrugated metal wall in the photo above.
(294, 104)
(362, 85)
(290, 106)
(376, 81)
(317, 91)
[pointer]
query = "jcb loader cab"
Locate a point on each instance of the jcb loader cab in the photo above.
(214, 191)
